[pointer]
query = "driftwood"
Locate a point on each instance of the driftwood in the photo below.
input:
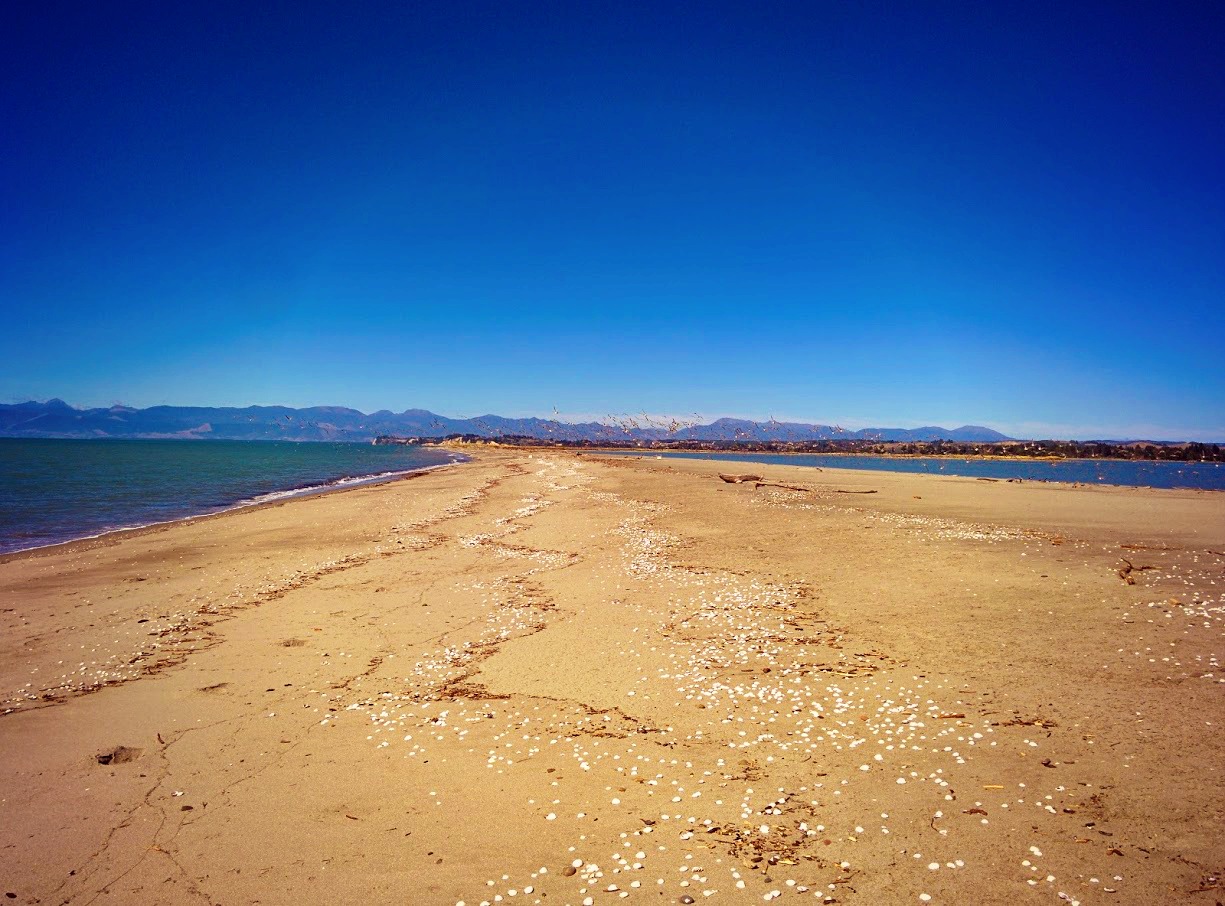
(854, 492)
(737, 479)
(785, 487)
(1125, 572)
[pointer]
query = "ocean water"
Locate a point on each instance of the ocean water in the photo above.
(1127, 473)
(60, 490)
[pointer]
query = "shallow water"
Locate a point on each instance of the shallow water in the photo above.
(1126, 473)
(59, 490)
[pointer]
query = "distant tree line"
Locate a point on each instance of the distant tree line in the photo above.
(1037, 449)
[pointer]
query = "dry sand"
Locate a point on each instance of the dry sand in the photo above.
(549, 678)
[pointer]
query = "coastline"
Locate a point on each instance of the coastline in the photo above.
(720, 456)
(270, 498)
(456, 686)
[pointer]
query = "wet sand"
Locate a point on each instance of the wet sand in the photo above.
(555, 678)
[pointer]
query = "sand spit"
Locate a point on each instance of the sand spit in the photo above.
(555, 678)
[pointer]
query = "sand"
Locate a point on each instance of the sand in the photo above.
(554, 678)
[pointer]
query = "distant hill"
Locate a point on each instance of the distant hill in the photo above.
(55, 418)
(739, 429)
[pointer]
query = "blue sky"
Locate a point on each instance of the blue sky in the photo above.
(869, 214)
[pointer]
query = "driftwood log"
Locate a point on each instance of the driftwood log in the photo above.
(738, 479)
(1125, 572)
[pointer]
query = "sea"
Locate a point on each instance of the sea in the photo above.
(53, 491)
(1123, 472)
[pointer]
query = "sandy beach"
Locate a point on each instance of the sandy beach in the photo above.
(553, 678)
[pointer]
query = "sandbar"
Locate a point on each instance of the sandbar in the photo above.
(549, 677)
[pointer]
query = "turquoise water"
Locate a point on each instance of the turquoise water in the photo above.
(1125, 472)
(58, 490)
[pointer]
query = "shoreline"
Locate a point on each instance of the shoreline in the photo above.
(271, 498)
(711, 456)
(277, 498)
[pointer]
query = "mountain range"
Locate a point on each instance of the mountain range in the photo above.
(55, 418)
